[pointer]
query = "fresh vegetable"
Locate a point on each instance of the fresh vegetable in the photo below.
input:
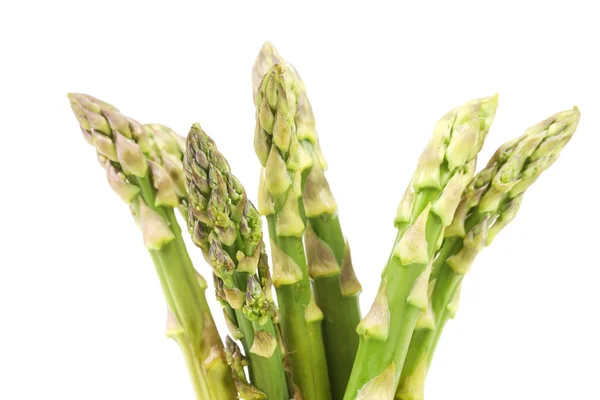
(143, 166)
(284, 160)
(327, 250)
(489, 203)
(444, 169)
(311, 343)
(228, 229)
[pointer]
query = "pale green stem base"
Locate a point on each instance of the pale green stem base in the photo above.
(186, 300)
(424, 341)
(341, 313)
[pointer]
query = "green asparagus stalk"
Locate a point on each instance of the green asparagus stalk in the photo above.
(328, 253)
(490, 202)
(444, 169)
(228, 229)
(142, 166)
(285, 161)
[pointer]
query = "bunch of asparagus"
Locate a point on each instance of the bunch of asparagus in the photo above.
(311, 343)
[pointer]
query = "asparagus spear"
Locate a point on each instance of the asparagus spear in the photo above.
(444, 169)
(327, 250)
(284, 161)
(490, 202)
(228, 229)
(141, 166)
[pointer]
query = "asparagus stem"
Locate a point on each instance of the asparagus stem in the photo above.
(197, 374)
(209, 355)
(206, 362)
(175, 331)
(490, 202)
(341, 316)
(301, 324)
(143, 165)
(412, 380)
(445, 168)
(213, 357)
(284, 162)
(329, 260)
(449, 288)
(228, 229)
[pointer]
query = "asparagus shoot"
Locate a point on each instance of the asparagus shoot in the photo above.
(327, 250)
(444, 169)
(489, 203)
(284, 160)
(228, 229)
(142, 167)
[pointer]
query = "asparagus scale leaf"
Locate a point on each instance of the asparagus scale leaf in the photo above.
(327, 250)
(489, 203)
(444, 169)
(142, 166)
(228, 229)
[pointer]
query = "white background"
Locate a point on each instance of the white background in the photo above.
(81, 311)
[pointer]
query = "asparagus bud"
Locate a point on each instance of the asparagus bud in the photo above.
(237, 362)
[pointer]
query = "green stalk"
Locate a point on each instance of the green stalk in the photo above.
(143, 166)
(412, 380)
(210, 352)
(300, 321)
(197, 374)
(228, 229)
(284, 162)
(445, 168)
(448, 290)
(490, 202)
(328, 253)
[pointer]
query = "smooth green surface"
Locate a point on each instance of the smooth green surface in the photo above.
(303, 341)
(449, 283)
(341, 313)
(375, 356)
(180, 287)
(197, 373)
(423, 341)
